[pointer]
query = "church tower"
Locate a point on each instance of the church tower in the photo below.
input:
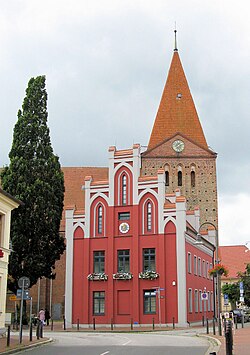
(178, 145)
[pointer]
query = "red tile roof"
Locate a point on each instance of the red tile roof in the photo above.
(177, 112)
(234, 258)
(74, 180)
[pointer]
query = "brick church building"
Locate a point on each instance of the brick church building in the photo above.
(131, 228)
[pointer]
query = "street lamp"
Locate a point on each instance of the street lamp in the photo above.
(218, 292)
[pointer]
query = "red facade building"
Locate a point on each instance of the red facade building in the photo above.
(132, 252)
(132, 244)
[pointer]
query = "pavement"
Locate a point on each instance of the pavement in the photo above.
(241, 338)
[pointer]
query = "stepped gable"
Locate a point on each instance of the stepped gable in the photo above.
(74, 180)
(177, 112)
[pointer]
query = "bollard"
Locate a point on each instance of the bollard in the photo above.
(153, 323)
(111, 324)
(52, 324)
(38, 330)
(214, 332)
(78, 324)
(229, 338)
(235, 322)
(94, 323)
(131, 324)
(173, 323)
(207, 326)
(30, 331)
(41, 330)
(64, 323)
(8, 336)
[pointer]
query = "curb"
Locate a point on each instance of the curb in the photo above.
(27, 347)
(214, 344)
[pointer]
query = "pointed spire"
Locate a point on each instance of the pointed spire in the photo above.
(175, 39)
(176, 112)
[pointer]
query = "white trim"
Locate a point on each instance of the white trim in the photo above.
(153, 216)
(96, 234)
(69, 235)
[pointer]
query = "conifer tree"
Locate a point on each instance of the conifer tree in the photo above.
(34, 176)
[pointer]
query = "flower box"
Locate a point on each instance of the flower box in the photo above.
(148, 275)
(122, 276)
(218, 269)
(97, 277)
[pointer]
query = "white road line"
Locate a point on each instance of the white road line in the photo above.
(107, 352)
(127, 342)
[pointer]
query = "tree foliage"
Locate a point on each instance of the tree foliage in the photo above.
(233, 290)
(34, 176)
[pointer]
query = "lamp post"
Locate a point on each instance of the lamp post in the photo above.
(218, 292)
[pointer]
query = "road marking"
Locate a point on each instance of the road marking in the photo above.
(127, 342)
(107, 352)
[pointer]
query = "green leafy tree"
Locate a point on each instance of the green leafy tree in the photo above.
(233, 292)
(34, 176)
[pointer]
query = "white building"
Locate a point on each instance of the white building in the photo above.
(7, 204)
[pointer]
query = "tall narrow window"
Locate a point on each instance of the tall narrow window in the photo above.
(192, 179)
(124, 189)
(179, 178)
(189, 264)
(99, 303)
(195, 264)
(123, 261)
(99, 261)
(100, 213)
(166, 178)
(196, 301)
(199, 266)
(190, 302)
(149, 302)
(149, 259)
(149, 216)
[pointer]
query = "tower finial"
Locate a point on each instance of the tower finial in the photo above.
(175, 40)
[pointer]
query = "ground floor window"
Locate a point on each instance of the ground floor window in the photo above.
(98, 302)
(149, 302)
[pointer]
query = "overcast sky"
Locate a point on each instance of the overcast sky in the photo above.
(106, 63)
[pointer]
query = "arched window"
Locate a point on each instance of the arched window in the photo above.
(124, 189)
(100, 219)
(179, 178)
(149, 217)
(166, 178)
(192, 178)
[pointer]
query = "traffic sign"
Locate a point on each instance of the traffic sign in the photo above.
(13, 298)
(24, 282)
(26, 294)
(226, 299)
(204, 296)
(241, 287)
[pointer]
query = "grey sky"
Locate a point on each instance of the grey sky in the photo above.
(106, 63)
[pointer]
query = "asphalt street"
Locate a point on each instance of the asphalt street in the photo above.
(82, 343)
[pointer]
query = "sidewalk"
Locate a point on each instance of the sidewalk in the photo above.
(241, 341)
(15, 346)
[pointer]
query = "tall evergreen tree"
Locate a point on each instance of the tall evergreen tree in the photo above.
(34, 176)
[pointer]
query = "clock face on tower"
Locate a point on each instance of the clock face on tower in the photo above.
(178, 146)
